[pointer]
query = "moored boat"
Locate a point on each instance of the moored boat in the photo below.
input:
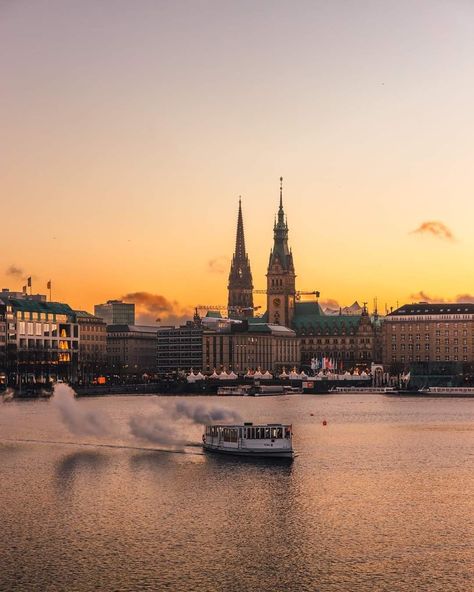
(437, 391)
(236, 391)
(249, 440)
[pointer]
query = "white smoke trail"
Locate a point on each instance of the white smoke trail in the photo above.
(167, 426)
(202, 414)
(156, 429)
(79, 421)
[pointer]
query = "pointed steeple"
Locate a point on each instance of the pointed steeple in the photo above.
(240, 237)
(281, 292)
(240, 277)
(280, 236)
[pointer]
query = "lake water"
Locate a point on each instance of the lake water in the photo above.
(381, 498)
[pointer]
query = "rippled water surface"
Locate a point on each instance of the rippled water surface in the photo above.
(382, 498)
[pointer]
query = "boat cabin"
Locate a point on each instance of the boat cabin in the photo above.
(269, 439)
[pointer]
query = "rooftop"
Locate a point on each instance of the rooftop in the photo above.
(39, 306)
(425, 308)
(132, 329)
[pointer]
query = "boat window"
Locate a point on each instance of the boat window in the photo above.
(279, 433)
(287, 432)
(240, 432)
(267, 433)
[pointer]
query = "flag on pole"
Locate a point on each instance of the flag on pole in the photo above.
(24, 289)
(29, 282)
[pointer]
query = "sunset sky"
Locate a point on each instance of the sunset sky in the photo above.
(129, 129)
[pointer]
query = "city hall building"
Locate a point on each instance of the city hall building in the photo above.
(350, 340)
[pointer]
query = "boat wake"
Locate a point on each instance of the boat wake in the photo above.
(99, 445)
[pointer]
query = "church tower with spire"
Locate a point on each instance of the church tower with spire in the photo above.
(240, 286)
(281, 275)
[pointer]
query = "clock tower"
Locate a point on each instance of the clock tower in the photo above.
(281, 276)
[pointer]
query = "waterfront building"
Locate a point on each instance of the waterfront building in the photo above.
(42, 339)
(347, 340)
(131, 350)
(116, 312)
(3, 339)
(240, 347)
(436, 335)
(92, 346)
(179, 348)
(240, 286)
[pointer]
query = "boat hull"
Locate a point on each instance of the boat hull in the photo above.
(427, 394)
(249, 453)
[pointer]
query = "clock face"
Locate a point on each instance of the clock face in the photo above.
(276, 301)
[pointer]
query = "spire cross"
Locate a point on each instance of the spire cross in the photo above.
(281, 193)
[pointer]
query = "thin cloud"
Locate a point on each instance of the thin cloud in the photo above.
(462, 298)
(422, 296)
(151, 307)
(15, 271)
(219, 264)
(436, 229)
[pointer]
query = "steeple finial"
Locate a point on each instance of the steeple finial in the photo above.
(281, 193)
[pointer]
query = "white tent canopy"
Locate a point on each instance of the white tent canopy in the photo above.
(294, 375)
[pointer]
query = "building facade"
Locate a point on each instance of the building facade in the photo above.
(42, 340)
(240, 286)
(92, 346)
(131, 350)
(429, 333)
(250, 346)
(348, 340)
(179, 348)
(116, 312)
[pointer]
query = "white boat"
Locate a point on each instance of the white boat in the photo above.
(448, 391)
(268, 391)
(249, 440)
(370, 390)
(236, 391)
